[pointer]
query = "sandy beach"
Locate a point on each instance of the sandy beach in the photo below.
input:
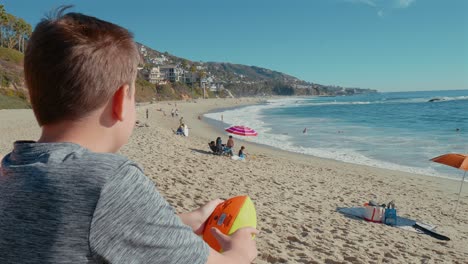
(296, 196)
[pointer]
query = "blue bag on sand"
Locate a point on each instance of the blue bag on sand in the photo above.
(391, 215)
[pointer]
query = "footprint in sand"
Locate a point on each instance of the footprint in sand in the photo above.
(272, 259)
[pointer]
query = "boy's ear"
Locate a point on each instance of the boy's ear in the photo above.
(118, 104)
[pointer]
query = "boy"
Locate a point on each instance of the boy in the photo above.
(230, 146)
(66, 197)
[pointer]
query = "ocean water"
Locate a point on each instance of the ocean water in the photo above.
(399, 131)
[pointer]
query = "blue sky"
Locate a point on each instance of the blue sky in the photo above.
(388, 45)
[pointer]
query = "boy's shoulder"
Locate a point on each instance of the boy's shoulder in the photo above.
(109, 161)
(66, 157)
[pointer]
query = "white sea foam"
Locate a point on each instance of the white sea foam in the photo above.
(456, 98)
(313, 101)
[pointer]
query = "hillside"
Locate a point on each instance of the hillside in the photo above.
(227, 78)
(244, 80)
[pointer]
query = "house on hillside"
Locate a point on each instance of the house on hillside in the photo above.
(143, 50)
(159, 60)
(206, 82)
(216, 87)
(191, 77)
(172, 73)
(154, 75)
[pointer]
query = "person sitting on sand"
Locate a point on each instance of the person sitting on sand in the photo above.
(180, 130)
(219, 146)
(69, 197)
(212, 145)
(242, 154)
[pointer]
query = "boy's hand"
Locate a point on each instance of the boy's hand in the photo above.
(239, 245)
(204, 212)
(197, 218)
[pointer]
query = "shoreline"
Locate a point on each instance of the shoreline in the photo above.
(303, 156)
(448, 173)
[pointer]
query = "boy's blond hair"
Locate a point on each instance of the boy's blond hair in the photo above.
(74, 63)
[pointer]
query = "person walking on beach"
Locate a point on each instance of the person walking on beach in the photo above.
(69, 198)
(146, 113)
(172, 112)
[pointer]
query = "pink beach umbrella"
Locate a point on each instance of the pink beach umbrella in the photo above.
(242, 131)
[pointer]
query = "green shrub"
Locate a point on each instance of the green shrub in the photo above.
(165, 92)
(5, 82)
(145, 91)
(7, 102)
(10, 93)
(22, 95)
(11, 55)
(209, 93)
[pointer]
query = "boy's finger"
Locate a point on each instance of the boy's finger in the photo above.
(216, 201)
(250, 230)
(222, 238)
(209, 207)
